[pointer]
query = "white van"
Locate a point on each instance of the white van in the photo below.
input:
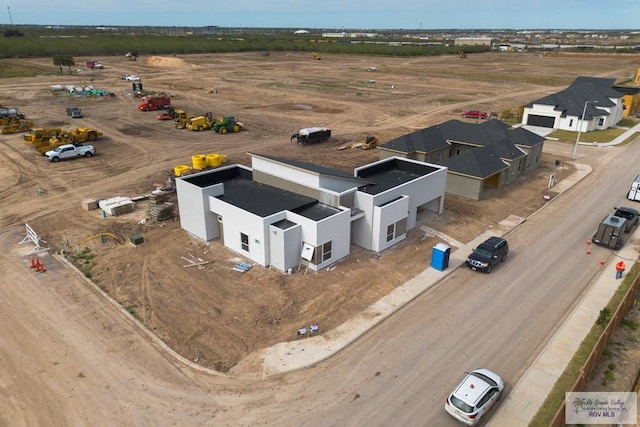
(634, 192)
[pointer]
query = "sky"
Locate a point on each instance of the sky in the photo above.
(332, 14)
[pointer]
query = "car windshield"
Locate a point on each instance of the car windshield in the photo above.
(460, 404)
(485, 378)
(483, 252)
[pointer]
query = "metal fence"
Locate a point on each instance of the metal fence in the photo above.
(602, 343)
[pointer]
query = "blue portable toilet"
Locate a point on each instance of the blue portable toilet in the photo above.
(440, 256)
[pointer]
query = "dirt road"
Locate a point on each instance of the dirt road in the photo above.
(214, 316)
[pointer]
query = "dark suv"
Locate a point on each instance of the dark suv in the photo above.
(488, 254)
(631, 215)
(74, 112)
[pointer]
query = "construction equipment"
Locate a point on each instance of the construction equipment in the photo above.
(8, 115)
(17, 125)
(44, 140)
(462, 54)
(198, 123)
(312, 135)
(155, 102)
(369, 143)
(316, 56)
(225, 124)
(38, 136)
(131, 56)
(182, 117)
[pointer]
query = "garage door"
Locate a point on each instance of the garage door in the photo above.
(543, 121)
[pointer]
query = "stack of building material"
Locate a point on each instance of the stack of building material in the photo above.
(117, 205)
(162, 212)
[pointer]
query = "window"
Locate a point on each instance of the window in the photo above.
(244, 240)
(571, 123)
(391, 231)
(601, 122)
(326, 251)
(396, 229)
(322, 253)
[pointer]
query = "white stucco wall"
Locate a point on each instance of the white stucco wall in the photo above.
(193, 205)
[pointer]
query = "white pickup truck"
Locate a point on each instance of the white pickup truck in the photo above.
(69, 151)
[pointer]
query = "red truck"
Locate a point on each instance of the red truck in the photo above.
(475, 114)
(94, 65)
(155, 103)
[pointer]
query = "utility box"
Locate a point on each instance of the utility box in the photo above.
(440, 256)
(136, 239)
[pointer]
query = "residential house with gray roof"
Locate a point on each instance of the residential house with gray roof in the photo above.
(590, 103)
(477, 156)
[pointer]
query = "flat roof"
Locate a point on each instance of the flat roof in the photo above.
(260, 199)
(392, 173)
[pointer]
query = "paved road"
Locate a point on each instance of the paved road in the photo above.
(98, 369)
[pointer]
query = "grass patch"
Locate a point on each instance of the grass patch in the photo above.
(606, 135)
(566, 381)
(84, 261)
(631, 324)
(18, 68)
(609, 375)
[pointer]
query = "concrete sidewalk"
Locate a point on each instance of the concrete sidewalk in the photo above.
(526, 397)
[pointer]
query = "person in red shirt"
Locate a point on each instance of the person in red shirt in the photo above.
(619, 269)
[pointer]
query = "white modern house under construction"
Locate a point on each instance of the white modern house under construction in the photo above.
(283, 214)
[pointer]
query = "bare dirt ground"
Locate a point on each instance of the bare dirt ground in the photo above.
(213, 315)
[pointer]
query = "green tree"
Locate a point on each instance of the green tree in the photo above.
(63, 60)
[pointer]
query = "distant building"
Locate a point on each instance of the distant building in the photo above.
(473, 41)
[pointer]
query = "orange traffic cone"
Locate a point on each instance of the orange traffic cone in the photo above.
(33, 262)
(601, 262)
(588, 242)
(588, 252)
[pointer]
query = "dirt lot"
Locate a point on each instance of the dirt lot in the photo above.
(214, 315)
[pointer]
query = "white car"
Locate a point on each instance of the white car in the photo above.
(475, 395)
(130, 78)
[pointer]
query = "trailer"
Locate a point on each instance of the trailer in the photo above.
(312, 135)
(634, 191)
(610, 232)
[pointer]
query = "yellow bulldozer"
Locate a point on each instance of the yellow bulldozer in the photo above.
(316, 56)
(182, 118)
(45, 139)
(369, 143)
(198, 123)
(17, 125)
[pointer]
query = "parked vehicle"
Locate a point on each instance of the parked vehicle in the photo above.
(199, 123)
(74, 112)
(69, 151)
(475, 114)
(130, 78)
(474, 396)
(155, 102)
(634, 191)
(488, 254)
(94, 65)
(312, 135)
(610, 232)
(170, 114)
(631, 215)
(227, 124)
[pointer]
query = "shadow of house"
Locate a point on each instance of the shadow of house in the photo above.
(477, 156)
(594, 98)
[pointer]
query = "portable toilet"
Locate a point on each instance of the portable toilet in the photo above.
(440, 256)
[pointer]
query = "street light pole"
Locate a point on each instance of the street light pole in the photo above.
(580, 122)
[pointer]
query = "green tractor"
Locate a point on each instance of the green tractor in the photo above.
(227, 124)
